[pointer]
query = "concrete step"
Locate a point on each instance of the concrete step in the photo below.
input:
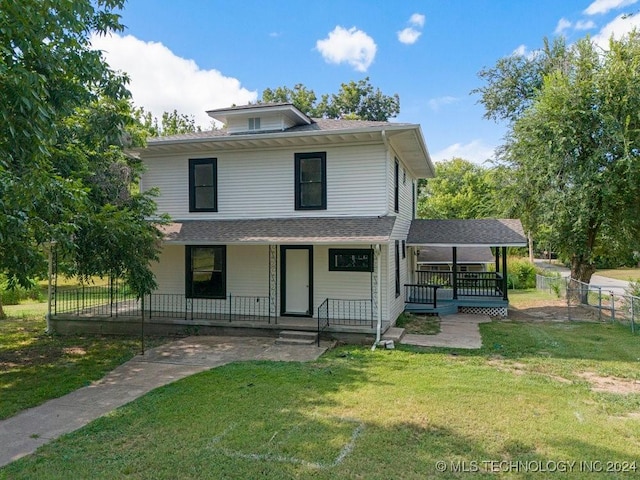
(394, 333)
(297, 337)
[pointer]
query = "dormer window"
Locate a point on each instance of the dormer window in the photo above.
(254, 123)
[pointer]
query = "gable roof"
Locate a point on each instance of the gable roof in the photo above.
(302, 230)
(459, 233)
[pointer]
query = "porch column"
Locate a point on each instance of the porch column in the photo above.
(505, 295)
(454, 274)
(497, 259)
(273, 281)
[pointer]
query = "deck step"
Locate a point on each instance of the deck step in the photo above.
(296, 337)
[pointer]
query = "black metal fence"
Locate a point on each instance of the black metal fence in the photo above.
(109, 300)
(344, 312)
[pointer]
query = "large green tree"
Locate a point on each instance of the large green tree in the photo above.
(460, 189)
(65, 121)
(355, 100)
(573, 144)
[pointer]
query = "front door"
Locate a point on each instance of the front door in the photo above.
(297, 280)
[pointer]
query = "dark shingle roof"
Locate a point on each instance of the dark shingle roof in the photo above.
(481, 232)
(282, 230)
(317, 125)
(430, 254)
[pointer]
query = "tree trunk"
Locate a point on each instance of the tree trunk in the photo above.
(530, 241)
(581, 272)
(2, 314)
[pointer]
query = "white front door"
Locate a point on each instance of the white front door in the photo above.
(296, 281)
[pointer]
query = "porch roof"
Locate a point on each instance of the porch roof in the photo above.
(316, 230)
(467, 233)
(429, 254)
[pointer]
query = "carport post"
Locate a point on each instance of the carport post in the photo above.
(505, 295)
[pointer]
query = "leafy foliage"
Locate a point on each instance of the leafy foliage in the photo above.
(355, 101)
(171, 123)
(65, 121)
(461, 189)
(572, 145)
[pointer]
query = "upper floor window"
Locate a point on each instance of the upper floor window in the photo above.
(311, 181)
(203, 185)
(254, 123)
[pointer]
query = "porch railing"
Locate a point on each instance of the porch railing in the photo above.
(232, 307)
(469, 284)
(104, 301)
(335, 311)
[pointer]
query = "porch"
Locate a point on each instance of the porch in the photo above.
(459, 290)
(112, 309)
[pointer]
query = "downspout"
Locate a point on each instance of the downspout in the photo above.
(379, 294)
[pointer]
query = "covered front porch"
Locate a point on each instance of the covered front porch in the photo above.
(247, 277)
(459, 290)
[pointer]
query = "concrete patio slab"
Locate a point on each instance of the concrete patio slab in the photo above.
(460, 330)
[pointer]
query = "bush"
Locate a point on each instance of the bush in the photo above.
(13, 296)
(521, 274)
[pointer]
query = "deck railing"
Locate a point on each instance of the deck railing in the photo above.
(469, 284)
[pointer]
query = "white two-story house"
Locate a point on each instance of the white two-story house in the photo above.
(281, 221)
(281, 216)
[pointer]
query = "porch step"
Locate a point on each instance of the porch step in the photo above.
(394, 333)
(297, 337)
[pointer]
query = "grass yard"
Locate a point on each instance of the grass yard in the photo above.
(530, 397)
(35, 367)
(629, 274)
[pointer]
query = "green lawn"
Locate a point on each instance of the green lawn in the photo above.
(629, 274)
(35, 367)
(525, 397)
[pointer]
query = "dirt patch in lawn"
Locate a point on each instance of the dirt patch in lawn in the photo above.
(419, 324)
(611, 384)
(551, 310)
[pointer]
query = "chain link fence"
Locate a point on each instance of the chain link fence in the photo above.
(592, 302)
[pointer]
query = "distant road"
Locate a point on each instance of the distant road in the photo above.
(610, 284)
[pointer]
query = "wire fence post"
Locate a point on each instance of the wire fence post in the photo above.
(613, 307)
(633, 327)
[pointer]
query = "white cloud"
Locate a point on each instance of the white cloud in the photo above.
(351, 46)
(521, 51)
(604, 6)
(436, 103)
(408, 36)
(563, 24)
(617, 28)
(417, 20)
(161, 81)
(475, 151)
(584, 25)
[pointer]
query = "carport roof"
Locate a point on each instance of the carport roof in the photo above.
(467, 233)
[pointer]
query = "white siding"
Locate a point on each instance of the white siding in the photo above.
(169, 271)
(267, 123)
(260, 184)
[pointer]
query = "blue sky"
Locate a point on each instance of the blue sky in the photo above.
(194, 56)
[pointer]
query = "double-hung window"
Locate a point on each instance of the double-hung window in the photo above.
(350, 260)
(203, 185)
(311, 181)
(206, 271)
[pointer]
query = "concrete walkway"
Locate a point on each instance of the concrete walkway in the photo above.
(23, 433)
(460, 330)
